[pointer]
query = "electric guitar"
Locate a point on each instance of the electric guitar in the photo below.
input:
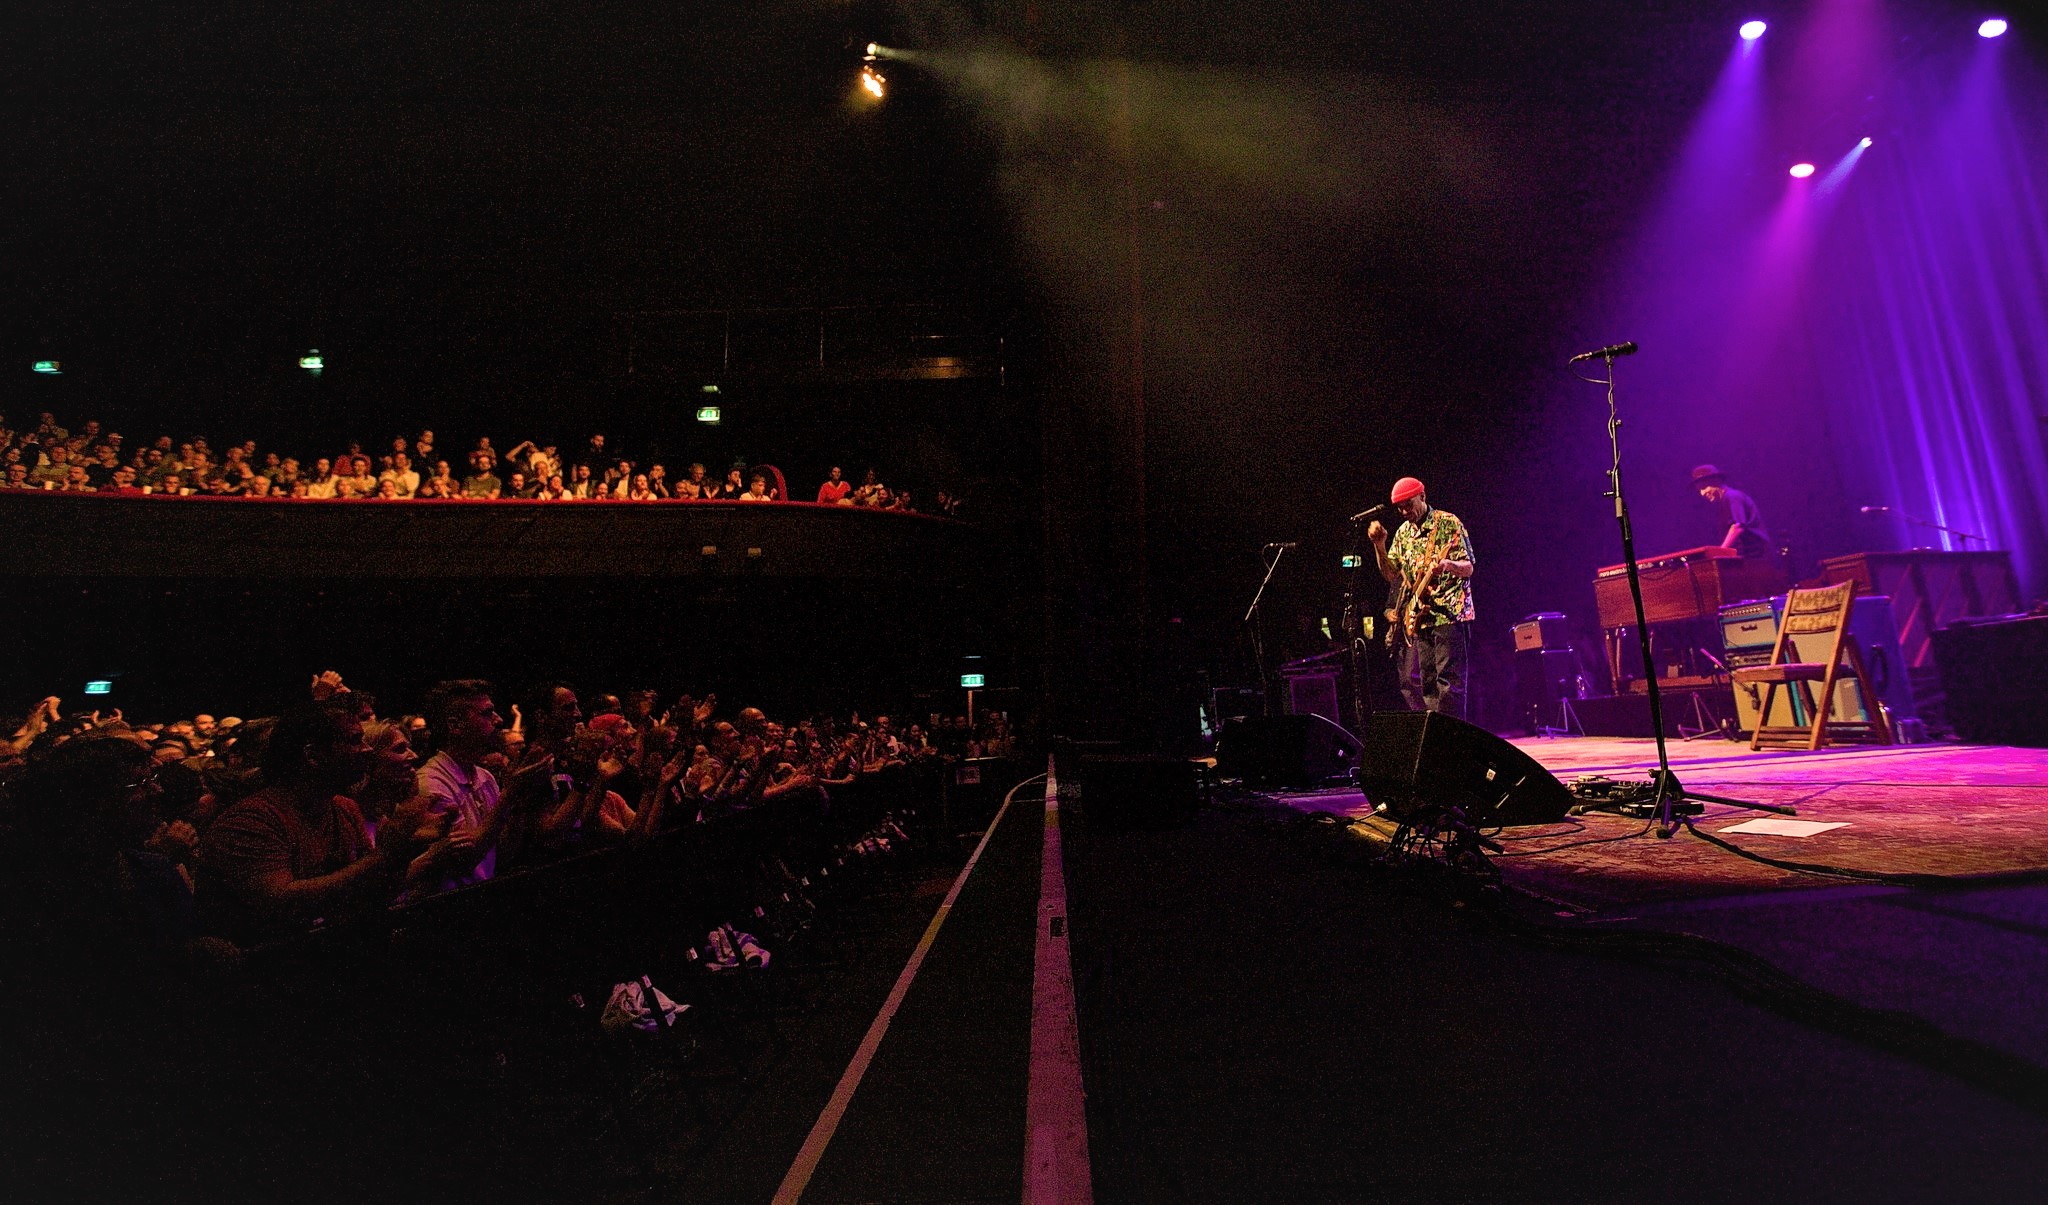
(1410, 600)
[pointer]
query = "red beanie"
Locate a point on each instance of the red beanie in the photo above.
(1404, 489)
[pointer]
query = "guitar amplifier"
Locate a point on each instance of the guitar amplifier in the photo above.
(1786, 710)
(1749, 625)
(1543, 630)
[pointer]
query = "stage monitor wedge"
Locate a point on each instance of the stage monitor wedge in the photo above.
(1417, 760)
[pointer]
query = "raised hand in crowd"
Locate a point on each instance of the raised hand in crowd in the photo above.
(38, 722)
(424, 840)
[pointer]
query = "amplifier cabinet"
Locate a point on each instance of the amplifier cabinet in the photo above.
(1543, 630)
(1749, 625)
(1870, 625)
(1314, 694)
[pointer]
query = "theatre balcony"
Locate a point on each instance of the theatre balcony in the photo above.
(63, 535)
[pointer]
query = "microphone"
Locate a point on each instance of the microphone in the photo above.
(1382, 508)
(1877, 510)
(1605, 353)
(1288, 544)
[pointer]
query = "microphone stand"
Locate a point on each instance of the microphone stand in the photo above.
(1673, 803)
(1962, 537)
(1251, 619)
(1354, 631)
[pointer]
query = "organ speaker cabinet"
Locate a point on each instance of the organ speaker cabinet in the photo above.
(1416, 760)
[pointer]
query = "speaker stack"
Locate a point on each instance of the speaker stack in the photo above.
(1287, 752)
(1547, 675)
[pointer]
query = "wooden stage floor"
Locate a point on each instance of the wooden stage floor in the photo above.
(1973, 957)
(1940, 809)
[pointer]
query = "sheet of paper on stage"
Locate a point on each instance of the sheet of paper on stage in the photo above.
(1783, 828)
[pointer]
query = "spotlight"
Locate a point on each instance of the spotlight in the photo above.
(1752, 30)
(1995, 27)
(1865, 144)
(1801, 171)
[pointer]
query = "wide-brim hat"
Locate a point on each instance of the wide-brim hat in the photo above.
(1707, 474)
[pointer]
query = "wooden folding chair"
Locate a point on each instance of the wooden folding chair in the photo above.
(1814, 617)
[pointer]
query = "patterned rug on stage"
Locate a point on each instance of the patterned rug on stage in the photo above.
(1923, 809)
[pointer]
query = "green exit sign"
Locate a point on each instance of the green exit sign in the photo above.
(49, 368)
(709, 414)
(973, 681)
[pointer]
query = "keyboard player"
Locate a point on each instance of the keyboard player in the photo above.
(1747, 534)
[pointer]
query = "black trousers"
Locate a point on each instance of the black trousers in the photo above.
(1433, 669)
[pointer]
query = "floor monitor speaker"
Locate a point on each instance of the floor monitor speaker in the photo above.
(1416, 760)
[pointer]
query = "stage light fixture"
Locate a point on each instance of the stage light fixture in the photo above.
(1752, 30)
(1801, 171)
(1995, 27)
(49, 368)
(1865, 144)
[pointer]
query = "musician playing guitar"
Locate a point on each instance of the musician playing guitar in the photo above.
(1430, 566)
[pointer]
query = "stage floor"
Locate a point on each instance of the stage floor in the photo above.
(1928, 809)
(1970, 954)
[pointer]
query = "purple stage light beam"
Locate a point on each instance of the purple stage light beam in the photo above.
(1752, 30)
(1838, 175)
(1684, 273)
(1934, 337)
(1801, 171)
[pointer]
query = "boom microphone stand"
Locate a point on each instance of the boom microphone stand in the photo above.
(1672, 801)
(1251, 619)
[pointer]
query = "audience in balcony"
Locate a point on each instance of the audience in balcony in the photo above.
(54, 459)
